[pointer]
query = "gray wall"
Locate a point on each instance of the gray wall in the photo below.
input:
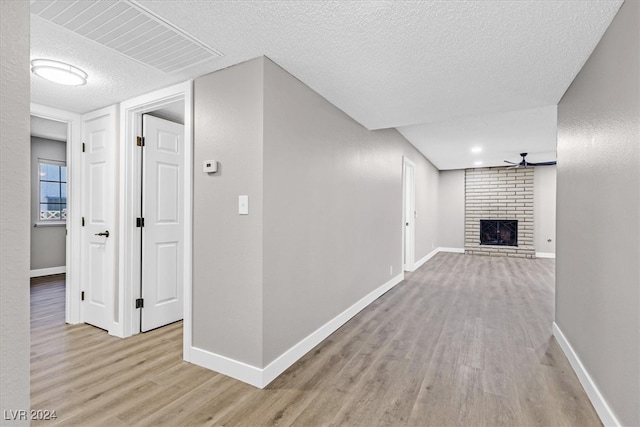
(227, 247)
(544, 209)
(14, 207)
(332, 210)
(597, 268)
(48, 243)
(451, 209)
(325, 202)
(427, 202)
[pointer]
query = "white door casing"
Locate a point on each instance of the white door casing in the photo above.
(162, 234)
(99, 234)
(409, 216)
(73, 226)
(129, 207)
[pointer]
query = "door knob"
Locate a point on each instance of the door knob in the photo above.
(105, 234)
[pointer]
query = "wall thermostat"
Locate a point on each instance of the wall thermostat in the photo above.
(210, 166)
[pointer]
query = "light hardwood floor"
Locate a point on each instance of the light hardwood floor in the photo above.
(464, 340)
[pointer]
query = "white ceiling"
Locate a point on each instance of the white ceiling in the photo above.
(450, 144)
(421, 66)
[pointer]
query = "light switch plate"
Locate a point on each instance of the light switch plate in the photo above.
(243, 205)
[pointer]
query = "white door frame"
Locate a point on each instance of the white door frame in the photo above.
(163, 232)
(74, 198)
(129, 201)
(408, 191)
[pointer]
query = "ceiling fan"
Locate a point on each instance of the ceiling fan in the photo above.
(524, 162)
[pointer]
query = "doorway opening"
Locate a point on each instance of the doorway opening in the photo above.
(48, 258)
(120, 296)
(160, 224)
(55, 183)
(48, 196)
(156, 192)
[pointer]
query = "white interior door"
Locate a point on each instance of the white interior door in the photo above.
(162, 234)
(98, 254)
(409, 216)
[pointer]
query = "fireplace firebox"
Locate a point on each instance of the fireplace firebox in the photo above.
(499, 232)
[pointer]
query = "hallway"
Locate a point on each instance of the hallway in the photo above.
(464, 340)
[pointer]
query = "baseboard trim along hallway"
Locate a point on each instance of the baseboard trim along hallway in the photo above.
(39, 272)
(435, 252)
(605, 413)
(545, 255)
(464, 340)
(261, 377)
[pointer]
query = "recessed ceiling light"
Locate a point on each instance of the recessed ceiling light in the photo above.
(477, 163)
(476, 149)
(58, 72)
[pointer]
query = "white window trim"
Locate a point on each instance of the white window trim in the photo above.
(37, 221)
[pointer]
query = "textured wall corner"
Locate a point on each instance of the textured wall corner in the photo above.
(598, 203)
(14, 208)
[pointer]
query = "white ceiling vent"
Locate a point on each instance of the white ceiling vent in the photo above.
(129, 29)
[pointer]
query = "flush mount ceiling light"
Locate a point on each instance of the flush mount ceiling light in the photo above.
(476, 149)
(58, 72)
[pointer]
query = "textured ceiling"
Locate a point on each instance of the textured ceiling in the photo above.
(386, 64)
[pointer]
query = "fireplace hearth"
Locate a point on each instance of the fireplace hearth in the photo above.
(499, 232)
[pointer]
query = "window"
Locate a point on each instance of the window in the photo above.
(52, 194)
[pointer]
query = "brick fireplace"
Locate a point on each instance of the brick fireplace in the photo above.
(501, 196)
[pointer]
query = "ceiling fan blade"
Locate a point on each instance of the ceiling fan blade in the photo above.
(513, 163)
(543, 163)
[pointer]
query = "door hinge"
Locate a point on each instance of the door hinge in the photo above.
(83, 147)
(140, 141)
(139, 222)
(82, 296)
(139, 303)
(83, 221)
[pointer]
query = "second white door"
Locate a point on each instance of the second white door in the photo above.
(409, 215)
(162, 232)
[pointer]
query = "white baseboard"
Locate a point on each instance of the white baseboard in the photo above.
(605, 413)
(433, 253)
(424, 259)
(453, 250)
(229, 367)
(262, 377)
(545, 255)
(288, 358)
(47, 271)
